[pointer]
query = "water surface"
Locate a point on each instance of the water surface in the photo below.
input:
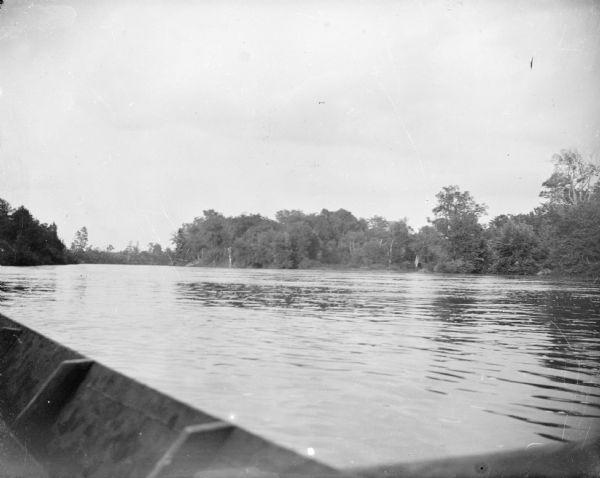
(362, 367)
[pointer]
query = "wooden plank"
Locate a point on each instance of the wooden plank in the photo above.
(15, 460)
(9, 336)
(33, 423)
(193, 450)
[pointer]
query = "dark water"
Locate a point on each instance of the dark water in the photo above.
(360, 368)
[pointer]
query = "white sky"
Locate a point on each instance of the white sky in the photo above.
(132, 117)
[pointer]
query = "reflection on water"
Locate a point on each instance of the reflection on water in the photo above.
(362, 367)
(213, 294)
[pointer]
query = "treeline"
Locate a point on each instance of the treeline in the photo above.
(562, 235)
(24, 241)
(294, 240)
(82, 252)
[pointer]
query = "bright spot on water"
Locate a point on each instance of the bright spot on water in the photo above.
(232, 416)
(310, 451)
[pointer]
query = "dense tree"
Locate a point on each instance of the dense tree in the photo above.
(154, 255)
(515, 247)
(569, 222)
(294, 240)
(452, 205)
(377, 240)
(154, 248)
(562, 234)
(24, 241)
(382, 244)
(400, 251)
(263, 246)
(575, 238)
(205, 240)
(428, 245)
(457, 221)
(303, 243)
(331, 228)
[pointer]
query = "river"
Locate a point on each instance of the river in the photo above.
(359, 368)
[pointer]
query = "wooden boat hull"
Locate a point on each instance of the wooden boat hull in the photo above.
(64, 415)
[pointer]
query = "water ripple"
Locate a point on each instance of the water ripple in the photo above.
(366, 367)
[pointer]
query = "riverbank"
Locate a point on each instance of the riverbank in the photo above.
(547, 273)
(543, 273)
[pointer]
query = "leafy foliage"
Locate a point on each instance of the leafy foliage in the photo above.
(515, 247)
(24, 241)
(573, 236)
(153, 255)
(293, 240)
(80, 242)
(457, 221)
(561, 235)
(573, 179)
(569, 222)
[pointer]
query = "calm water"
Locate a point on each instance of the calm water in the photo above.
(364, 368)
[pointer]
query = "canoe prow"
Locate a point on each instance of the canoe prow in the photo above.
(75, 417)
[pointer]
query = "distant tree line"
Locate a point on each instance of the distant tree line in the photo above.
(25, 241)
(293, 240)
(562, 235)
(82, 252)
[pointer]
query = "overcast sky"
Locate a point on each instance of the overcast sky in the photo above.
(133, 117)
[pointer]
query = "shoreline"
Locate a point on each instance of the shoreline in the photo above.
(544, 273)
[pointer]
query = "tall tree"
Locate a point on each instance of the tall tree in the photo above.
(570, 218)
(572, 181)
(457, 220)
(80, 242)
